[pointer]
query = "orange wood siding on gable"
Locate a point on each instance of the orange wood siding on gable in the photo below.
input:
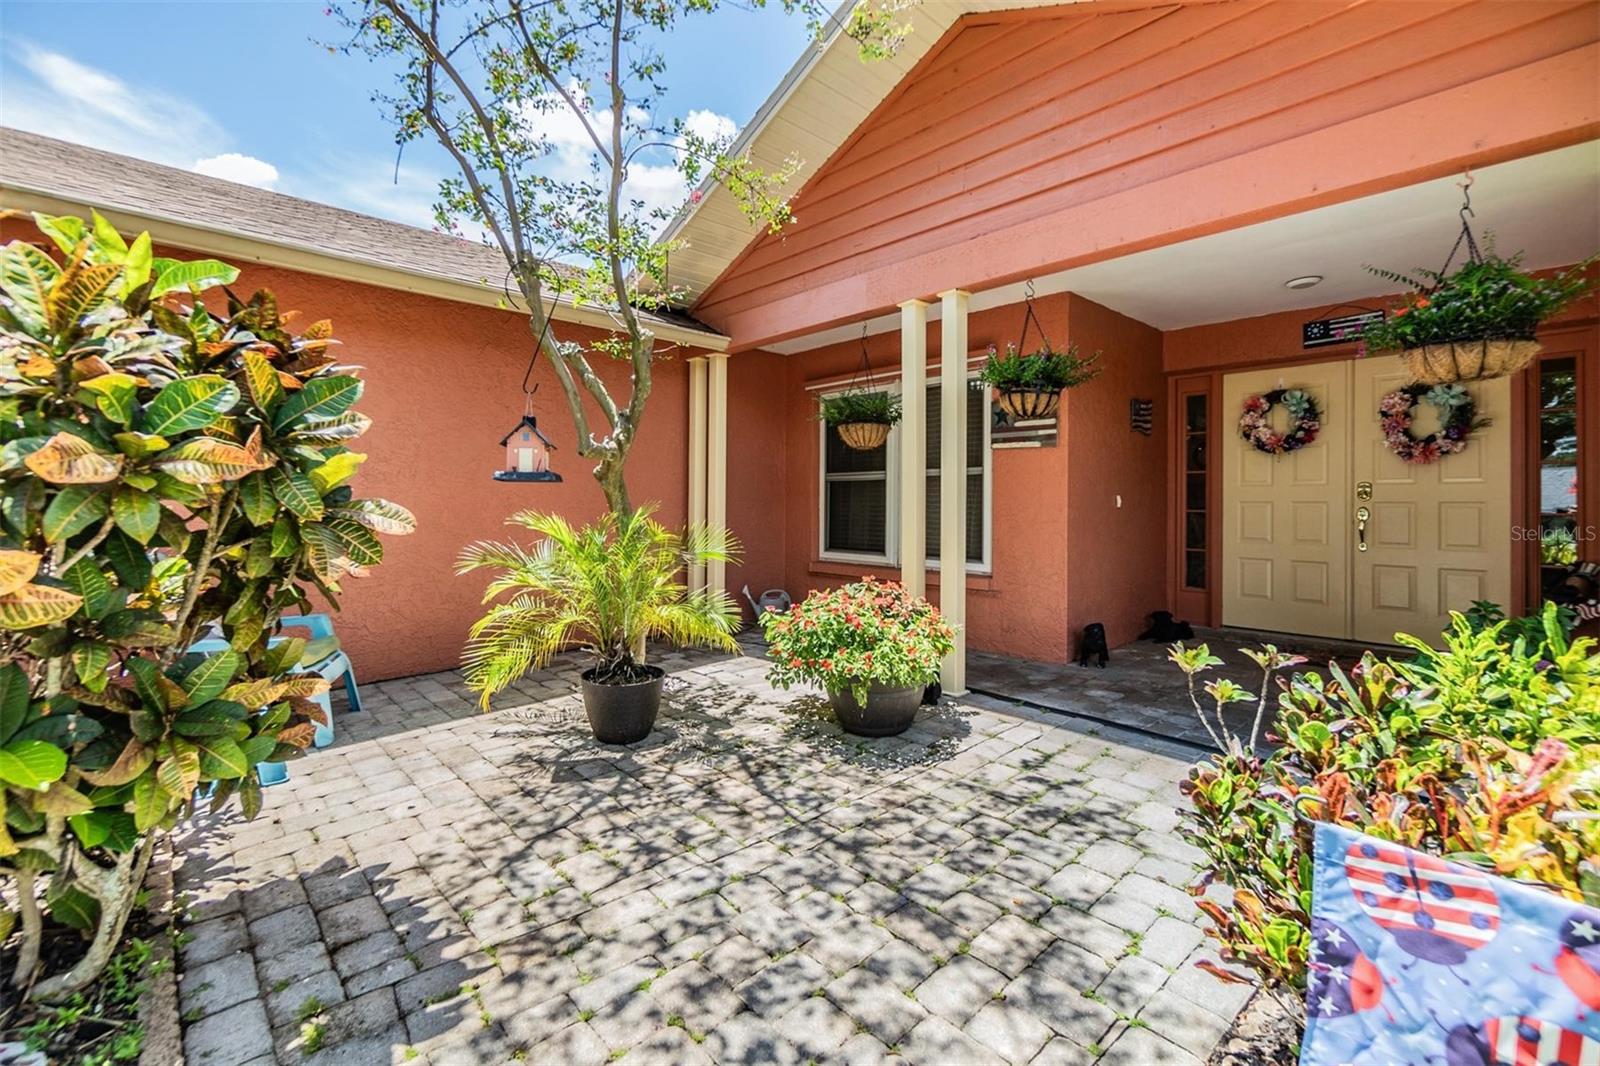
(1078, 115)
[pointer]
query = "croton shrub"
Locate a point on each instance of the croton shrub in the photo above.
(856, 636)
(1485, 751)
(168, 473)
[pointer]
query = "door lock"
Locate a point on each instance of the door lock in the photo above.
(1362, 514)
(1363, 490)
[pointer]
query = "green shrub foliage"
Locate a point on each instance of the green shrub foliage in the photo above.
(168, 472)
(1485, 752)
(861, 406)
(1048, 369)
(1490, 298)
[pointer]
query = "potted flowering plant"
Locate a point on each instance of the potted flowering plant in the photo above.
(1479, 322)
(862, 418)
(1030, 386)
(871, 645)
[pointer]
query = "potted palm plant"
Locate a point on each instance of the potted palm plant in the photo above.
(1029, 386)
(872, 646)
(606, 587)
(862, 418)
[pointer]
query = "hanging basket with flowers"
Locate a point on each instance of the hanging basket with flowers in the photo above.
(1480, 321)
(1028, 384)
(863, 414)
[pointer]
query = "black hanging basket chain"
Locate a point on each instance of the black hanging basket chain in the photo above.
(865, 369)
(1465, 237)
(1029, 317)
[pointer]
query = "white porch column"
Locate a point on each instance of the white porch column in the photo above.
(697, 458)
(717, 463)
(953, 481)
(913, 446)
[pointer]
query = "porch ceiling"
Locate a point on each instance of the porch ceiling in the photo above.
(1547, 205)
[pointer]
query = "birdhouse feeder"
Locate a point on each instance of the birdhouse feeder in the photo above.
(527, 453)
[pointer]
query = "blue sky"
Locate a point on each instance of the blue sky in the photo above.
(240, 90)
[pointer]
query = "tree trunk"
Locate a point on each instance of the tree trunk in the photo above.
(115, 888)
(32, 930)
(609, 474)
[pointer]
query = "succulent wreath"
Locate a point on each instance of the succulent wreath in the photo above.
(1305, 421)
(1458, 417)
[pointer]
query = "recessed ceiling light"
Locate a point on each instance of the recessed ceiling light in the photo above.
(1303, 283)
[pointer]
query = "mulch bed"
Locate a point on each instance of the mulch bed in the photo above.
(1266, 1033)
(120, 1013)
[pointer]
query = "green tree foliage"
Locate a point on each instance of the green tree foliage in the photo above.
(487, 80)
(168, 472)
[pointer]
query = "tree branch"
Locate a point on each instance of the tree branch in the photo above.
(549, 76)
(437, 58)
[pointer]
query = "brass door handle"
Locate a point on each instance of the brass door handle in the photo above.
(1362, 514)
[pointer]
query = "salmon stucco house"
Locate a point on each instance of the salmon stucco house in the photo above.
(1191, 188)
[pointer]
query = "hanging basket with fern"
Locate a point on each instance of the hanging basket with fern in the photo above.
(1028, 384)
(861, 418)
(863, 414)
(1480, 321)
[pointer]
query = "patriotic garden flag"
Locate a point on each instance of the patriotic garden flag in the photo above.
(1418, 960)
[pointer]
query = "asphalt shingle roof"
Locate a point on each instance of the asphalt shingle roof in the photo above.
(111, 182)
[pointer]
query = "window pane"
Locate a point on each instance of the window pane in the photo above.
(977, 411)
(974, 516)
(1194, 451)
(1194, 569)
(1558, 383)
(1558, 437)
(1194, 531)
(857, 516)
(1194, 413)
(1195, 494)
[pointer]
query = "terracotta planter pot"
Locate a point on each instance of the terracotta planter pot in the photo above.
(1028, 404)
(622, 714)
(1440, 364)
(889, 711)
(863, 436)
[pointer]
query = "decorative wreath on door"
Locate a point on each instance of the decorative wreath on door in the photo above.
(1458, 417)
(1305, 421)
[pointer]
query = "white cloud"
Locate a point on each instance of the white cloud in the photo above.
(658, 185)
(710, 126)
(245, 169)
(52, 93)
(63, 98)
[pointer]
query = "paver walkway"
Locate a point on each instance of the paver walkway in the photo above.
(748, 885)
(1140, 688)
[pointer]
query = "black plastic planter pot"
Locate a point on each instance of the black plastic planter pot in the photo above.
(622, 714)
(888, 711)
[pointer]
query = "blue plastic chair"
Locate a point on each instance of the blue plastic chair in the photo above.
(332, 666)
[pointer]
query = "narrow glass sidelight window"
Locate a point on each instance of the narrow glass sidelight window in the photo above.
(855, 498)
(977, 414)
(1559, 482)
(1195, 473)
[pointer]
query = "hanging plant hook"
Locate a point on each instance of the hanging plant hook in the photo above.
(1029, 316)
(1465, 236)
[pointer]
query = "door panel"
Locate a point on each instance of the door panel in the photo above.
(1439, 535)
(1285, 543)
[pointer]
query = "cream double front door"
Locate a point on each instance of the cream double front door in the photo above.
(1342, 539)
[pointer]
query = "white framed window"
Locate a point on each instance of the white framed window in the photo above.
(859, 492)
